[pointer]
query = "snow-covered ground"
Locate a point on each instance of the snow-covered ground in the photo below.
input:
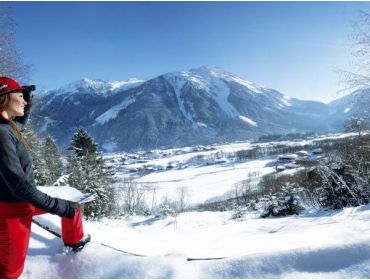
(332, 244)
(203, 183)
(316, 244)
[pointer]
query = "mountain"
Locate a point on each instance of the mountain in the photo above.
(356, 103)
(198, 106)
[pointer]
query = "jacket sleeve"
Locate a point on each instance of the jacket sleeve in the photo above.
(15, 180)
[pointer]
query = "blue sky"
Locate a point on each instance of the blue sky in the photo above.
(294, 47)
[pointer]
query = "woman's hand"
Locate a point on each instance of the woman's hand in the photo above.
(67, 208)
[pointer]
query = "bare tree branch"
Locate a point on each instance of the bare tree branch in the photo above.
(11, 63)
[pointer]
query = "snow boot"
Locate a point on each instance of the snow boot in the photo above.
(79, 245)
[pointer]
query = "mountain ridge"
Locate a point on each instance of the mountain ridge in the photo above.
(196, 106)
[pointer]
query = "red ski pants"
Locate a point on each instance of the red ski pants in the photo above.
(15, 231)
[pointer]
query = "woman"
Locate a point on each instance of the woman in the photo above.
(19, 197)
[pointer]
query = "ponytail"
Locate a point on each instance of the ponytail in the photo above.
(19, 133)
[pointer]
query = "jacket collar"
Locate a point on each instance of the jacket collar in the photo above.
(4, 119)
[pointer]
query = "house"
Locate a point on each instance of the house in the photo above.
(170, 166)
(289, 158)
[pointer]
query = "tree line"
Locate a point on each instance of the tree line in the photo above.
(84, 169)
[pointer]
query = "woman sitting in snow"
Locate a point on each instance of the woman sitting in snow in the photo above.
(19, 197)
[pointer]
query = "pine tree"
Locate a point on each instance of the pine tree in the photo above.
(52, 160)
(89, 174)
(38, 161)
(286, 201)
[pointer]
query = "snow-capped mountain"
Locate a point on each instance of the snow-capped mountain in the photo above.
(202, 105)
(95, 86)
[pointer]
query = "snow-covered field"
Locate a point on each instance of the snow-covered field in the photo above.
(332, 244)
(202, 181)
(316, 244)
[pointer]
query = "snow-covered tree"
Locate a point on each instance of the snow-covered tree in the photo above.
(239, 213)
(359, 79)
(355, 124)
(165, 209)
(356, 154)
(132, 197)
(38, 160)
(338, 186)
(53, 162)
(89, 174)
(285, 202)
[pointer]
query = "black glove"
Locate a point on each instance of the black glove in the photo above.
(67, 208)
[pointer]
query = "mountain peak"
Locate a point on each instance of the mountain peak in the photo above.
(96, 86)
(205, 74)
(207, 69)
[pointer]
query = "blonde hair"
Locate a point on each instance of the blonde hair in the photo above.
(4, 101)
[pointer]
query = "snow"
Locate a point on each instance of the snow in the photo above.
(347, 110)
(178, 82)
(215, 83)
(124, 85)
(315, 244)
(95, 85)
(114, 111)
(248, 120)
(221, 74)
(217, 88)
(222, 92)
(206, 80)
(285, 100)
(64, 192)
(202, 183)
(332, 244)
(200, 124)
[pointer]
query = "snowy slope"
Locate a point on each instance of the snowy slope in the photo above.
(333, 244)
(112, 113)
(213, 81)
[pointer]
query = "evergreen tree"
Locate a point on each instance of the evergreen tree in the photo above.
(82, 144)
(90, 174)
(38, 161)
(52, 160)
(287, 201)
